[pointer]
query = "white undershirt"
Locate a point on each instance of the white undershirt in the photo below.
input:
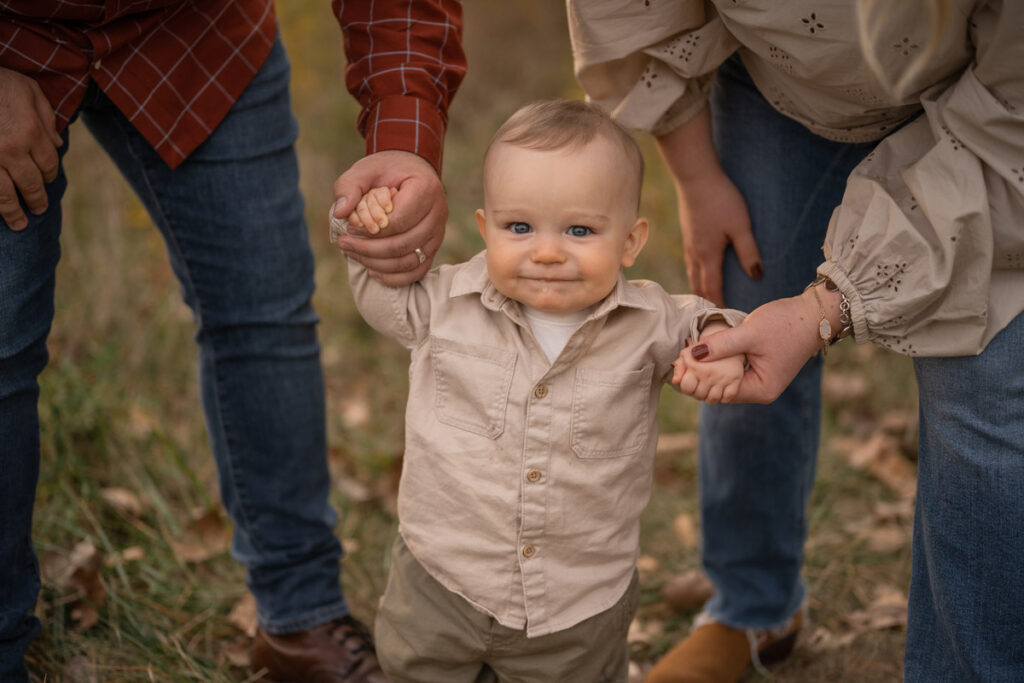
(552, 330)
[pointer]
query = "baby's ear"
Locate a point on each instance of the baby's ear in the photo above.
(635, 241)
(481, 223)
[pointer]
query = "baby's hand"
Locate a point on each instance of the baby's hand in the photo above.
(709, 381)
(371, 214)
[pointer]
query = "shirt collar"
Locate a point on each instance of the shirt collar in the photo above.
(473, 279)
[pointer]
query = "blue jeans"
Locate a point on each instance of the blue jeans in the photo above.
(966, 607)
(757, 463)
(232, 218)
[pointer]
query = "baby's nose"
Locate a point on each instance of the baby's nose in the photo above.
(548, 249)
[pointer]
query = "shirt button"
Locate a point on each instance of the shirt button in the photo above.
(96, 65)
(541, 391)
(529, 550)
(533, 475)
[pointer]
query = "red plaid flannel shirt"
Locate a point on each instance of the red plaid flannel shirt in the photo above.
(175, 67)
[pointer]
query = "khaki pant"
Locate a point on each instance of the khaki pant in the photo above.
(427, 634)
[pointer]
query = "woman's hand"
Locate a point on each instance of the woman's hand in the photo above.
(777, 338)
(713, 215)
(712, 212)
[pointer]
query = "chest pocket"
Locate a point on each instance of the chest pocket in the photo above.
(610, 411)
(471, 385)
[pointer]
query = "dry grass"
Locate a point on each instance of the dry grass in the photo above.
(120, 400)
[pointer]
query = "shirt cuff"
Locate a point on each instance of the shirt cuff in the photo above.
(405, 123)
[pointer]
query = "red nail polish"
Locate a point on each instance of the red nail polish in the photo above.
(700, 351)
(757, 272)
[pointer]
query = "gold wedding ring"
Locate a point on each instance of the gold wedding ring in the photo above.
(420, 255)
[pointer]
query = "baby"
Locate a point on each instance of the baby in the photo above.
(531, 423)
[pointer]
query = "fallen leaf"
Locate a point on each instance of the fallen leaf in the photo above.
(131, 554)
(674, 443)
(122, 500)
(886, 539)
(85, 616)
(822, 640)
(205, 536)
(79, 669)
(897, 511)
(686, 530)
(353, 489)
(687, 591)
(81, 573)
(140, 421)
(644, 632)
(840, 387)
(647, 563)
(238, 653)
(880, 456)
(888, 610)
(244, 615)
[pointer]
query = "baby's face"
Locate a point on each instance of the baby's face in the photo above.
(559, 224)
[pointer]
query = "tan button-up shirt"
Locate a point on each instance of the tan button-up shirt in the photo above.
(523, 480)
(928, 242)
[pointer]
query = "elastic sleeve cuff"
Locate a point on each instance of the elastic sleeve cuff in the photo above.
(730, 317)
(405, 123)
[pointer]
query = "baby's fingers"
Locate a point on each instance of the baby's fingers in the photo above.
(687, 383)
(730, 391)
(714, 395)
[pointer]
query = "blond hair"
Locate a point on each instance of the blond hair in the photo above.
(550, 125)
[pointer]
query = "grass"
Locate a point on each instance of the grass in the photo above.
(120, 404)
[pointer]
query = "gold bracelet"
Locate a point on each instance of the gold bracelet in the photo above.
(824, 326)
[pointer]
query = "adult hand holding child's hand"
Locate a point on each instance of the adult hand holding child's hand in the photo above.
(414, 228)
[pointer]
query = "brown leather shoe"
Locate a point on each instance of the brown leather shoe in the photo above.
(340, 651)
(716, 653)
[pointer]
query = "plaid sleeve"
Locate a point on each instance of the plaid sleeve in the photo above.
(405, 62)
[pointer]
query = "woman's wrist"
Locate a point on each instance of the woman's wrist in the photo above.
(832, 321)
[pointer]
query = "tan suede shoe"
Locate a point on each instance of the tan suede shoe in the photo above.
(340, 651)
(716, 653)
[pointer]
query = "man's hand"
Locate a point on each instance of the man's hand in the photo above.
(28, 147)
(417, 222)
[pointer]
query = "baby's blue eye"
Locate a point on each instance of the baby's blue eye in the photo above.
(579, 230)
(519, 228)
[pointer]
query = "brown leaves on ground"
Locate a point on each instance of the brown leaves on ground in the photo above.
(687, 591)
(244, 617)
(207, 535)
(122, 500)
(886, 454)
(888, 610)
(78, 576)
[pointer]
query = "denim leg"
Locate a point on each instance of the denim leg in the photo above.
(232, 218)
(28, 261)
(757, 463)
(966, 607)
